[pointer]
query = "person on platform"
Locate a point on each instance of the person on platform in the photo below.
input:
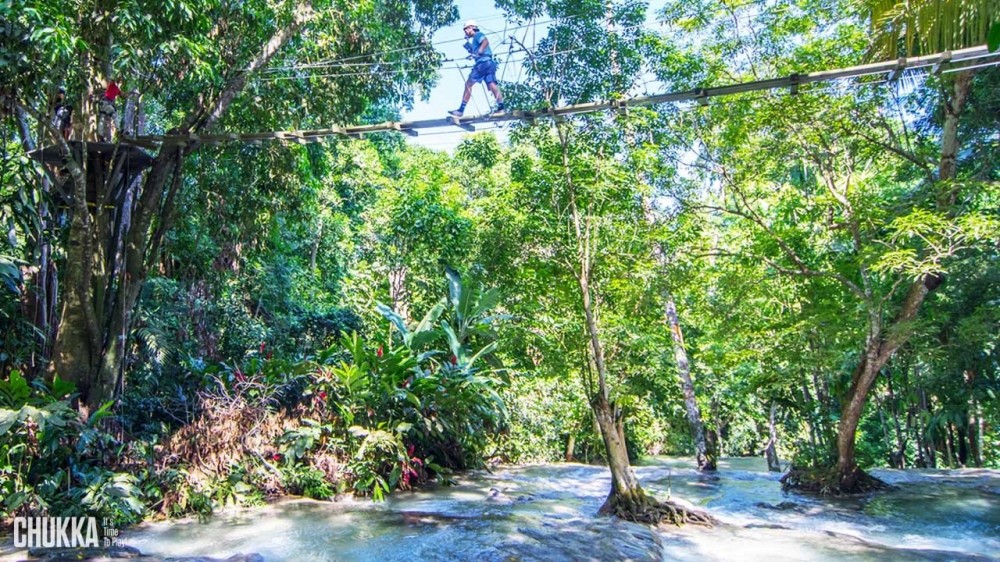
(107, 114)
(62, 115)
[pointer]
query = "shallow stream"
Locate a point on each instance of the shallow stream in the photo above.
(546, 512)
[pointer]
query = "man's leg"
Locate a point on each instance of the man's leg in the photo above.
(466, 96)
(491, 83)
(496, 91)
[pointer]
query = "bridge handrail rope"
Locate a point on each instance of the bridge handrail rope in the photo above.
(338, 62)
(404, 70)
(793, 82)
(355, 68)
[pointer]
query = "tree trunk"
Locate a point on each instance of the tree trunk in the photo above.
(925, 431)
(626, 495)
(979, 435)
(948, 193)
(948, 445)
(850, 415)
(880, 348)
(626, 498)
(77, 344)
(881, 344)
(899, 455)
(705, 457)
(45, 288)
(771, 451)
(398, 294)
(810, 422)
(963, 448)
(972, 426)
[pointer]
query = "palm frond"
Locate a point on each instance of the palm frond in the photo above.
(915, 27)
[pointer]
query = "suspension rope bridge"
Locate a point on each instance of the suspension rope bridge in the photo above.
(949, 61)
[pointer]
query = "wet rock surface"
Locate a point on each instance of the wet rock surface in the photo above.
(547, 513)
(122, 554)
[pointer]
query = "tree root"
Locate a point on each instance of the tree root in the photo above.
(650, 511)
(827, 481)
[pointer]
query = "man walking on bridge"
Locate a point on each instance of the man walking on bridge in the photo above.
(485, 68)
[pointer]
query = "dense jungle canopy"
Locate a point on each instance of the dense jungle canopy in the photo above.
(811, 276)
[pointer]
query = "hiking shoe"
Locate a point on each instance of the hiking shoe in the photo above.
(456, 113)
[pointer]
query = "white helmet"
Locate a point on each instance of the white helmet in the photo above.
(471, 23)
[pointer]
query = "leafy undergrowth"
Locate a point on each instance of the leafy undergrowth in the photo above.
(367, 417)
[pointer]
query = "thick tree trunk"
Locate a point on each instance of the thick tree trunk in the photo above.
(626, 493)
(879, 350)
(704, 455)
(110, 250)
(77, 344)
(850, 415)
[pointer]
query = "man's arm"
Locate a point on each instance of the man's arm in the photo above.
(483, 43)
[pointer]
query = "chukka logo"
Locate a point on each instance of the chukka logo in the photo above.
(55, 532)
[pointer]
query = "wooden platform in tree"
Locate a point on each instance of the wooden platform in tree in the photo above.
(132, 155)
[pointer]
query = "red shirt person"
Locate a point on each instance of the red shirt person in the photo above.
(112, 92)
(107, 114)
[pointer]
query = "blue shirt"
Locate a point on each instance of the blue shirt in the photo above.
(475, 42)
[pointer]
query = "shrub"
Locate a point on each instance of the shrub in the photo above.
(53, 463)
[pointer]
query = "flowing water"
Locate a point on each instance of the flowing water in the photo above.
(546, 512)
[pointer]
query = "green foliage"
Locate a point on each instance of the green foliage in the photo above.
(52, 463)
(785, 227)
(379, 462)
(116, 495)
(307, 481)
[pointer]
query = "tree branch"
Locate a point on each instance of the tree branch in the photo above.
(924, 165)
(303, 13)
(800, 267)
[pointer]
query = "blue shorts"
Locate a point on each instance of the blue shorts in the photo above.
(486, 70)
